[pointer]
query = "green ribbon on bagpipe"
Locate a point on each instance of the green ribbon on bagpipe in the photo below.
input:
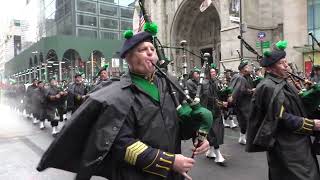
(197, 113)
(225, 91)
(311, 98)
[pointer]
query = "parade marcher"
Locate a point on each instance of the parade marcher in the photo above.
(28, 102)
(103, 75)
(228, 114)
(278, 123)
(103, 79)
(315, 74)
(76, 93)
(20, 93)
(241, 97)
(40, 102)
(53, 96)
(130, 129)
(210, 99)
(36, 103)
(62, 104)
(192, 82)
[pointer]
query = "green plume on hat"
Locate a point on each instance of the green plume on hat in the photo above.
(282, 45)
(196, 69)
(267, 53)
(105, 66)
(128, 34)
(244, 61)
(151, 27)
(213, 66)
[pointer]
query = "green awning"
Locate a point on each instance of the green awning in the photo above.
(60, 44)
(306, 48)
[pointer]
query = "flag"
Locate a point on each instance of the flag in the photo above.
(141, 22)
(205, 4)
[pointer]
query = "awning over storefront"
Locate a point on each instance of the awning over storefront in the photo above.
(306, 48)
(61, 44)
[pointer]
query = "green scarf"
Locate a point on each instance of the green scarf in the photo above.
(148, 87)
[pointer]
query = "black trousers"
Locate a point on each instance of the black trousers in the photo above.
(81, 177)
(216, 133)
(51, 116)
(242, 120)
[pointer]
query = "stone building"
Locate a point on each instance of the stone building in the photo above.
(213, 31)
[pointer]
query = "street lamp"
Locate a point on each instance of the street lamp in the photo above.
(37, 65)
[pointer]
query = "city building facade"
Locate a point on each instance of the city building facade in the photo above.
(216, 29)
(74, 36)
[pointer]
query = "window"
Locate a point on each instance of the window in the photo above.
(109, 23)
(126, 3)
(314, 18)
(125, 25)
(109, 35)
(47, 2)
(108, 10)
(87, 33)
(49, 10)
(59, 13)
(65, 26)
(86, 20)
(110, 1)
(86, 6)
(126, 13)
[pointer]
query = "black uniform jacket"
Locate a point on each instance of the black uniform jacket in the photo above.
(117, 114)
(209, 95)
(75, 90)
(241, 94)
(277, 125)
(192, 86)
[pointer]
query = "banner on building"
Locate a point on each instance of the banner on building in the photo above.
(308, 58)
(17, 44)
(205, 4)
(234, 10)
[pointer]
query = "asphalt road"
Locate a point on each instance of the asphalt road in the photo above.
(22, 144)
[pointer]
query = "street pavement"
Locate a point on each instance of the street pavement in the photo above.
(22, 145)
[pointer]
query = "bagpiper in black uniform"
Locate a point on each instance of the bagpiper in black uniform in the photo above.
(28, 99)
(210, 99)
(76, 93)
(40, 102)
(193, 81)
(278, 125)
(62, 105)
(228, 113)
(20, 93)
(103, 79)
(241, 95)
(128, 130)
(53, 96)
(315, 74)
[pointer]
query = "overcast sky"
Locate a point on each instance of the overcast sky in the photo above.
(9, 9)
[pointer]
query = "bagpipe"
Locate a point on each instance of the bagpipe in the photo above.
(189, 109)
(310, 96)
(256, 79)
(309, 91)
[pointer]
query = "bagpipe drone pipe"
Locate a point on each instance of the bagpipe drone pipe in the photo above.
(189, 109)
(310, 97)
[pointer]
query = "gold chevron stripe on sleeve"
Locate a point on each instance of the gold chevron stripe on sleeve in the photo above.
(281, 111)
(133, 151)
